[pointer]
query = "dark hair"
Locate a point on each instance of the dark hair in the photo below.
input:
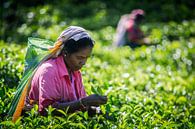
(139, 17)
(72, 46)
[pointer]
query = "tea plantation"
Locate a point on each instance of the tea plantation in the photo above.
(149, 87)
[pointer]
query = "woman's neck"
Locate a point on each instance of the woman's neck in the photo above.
(68, 69)
(69, 72)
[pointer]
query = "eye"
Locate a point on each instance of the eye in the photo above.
(80, 57)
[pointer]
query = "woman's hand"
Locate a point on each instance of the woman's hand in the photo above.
(94, 100)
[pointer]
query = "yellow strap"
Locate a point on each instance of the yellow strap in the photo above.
(20, 105)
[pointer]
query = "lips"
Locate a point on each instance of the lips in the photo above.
(78, 67)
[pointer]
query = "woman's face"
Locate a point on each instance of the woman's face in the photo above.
(76, 60)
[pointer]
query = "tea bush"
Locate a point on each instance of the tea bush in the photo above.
(149, 87)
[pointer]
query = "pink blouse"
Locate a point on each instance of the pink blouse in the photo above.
(51, 83)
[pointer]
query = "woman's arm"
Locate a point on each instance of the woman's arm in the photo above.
(72, 106)
(84, 103)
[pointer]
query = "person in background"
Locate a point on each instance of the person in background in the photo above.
(128, 31)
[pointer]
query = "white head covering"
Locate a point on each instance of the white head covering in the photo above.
(73, 32)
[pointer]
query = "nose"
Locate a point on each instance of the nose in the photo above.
(82, 62)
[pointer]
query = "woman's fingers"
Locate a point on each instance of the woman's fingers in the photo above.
(103, 99)
(95, 100)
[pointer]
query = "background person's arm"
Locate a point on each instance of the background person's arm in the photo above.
(143, 41)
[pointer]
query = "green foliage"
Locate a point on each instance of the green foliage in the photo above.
(22, 19)
(149, 87)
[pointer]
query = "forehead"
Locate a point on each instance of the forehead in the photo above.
(85, 52)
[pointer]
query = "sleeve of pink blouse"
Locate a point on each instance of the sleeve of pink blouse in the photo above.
(48, 91)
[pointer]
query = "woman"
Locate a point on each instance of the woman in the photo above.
(57, 81)
(128, 31)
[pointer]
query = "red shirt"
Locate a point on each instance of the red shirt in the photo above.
(134, 33)
(51, 83)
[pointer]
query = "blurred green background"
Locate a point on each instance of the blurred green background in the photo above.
(149, 87)
(40, 18)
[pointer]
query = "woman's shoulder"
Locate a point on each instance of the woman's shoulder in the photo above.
(48, 66)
